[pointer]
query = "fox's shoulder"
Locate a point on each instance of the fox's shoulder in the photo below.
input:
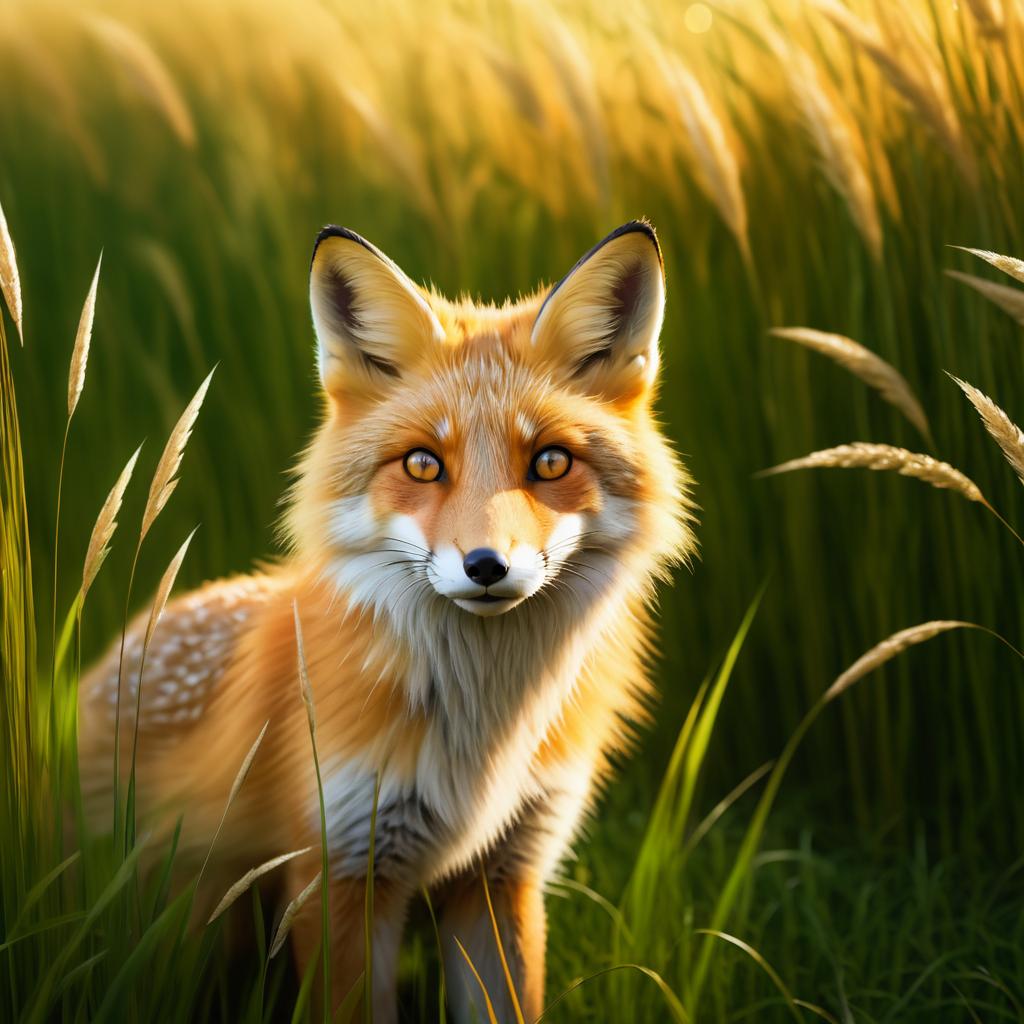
(191, 646)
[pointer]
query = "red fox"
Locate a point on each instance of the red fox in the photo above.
(474, 538)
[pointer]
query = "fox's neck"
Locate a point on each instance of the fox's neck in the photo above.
(481, 680)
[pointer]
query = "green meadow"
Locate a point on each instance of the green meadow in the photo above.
(767, 853)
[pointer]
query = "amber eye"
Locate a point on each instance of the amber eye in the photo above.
(422, 465)
(550, 464)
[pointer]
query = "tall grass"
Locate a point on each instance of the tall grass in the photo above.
(804, 163)
(856, 145)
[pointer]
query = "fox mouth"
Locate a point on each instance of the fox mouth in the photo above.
(488, 605)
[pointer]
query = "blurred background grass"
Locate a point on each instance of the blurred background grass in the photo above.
(803, 164)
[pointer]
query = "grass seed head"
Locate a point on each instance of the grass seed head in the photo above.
(10, 280)
(862, 455)
(80, 354)
(889, 648)
(863, 363)
(106, 524)
(246, 881)
(164, 479)
(163, 591)
(1007, 264)
(1006, 433)
(1006, 297)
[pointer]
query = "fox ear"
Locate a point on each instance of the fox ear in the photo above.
(371, 321)
(600, 324)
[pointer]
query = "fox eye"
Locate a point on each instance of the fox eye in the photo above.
(550, 464)
(422, 465)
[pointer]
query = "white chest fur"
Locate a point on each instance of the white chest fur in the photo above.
(491, 691)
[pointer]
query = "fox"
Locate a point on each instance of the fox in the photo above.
(474, 539)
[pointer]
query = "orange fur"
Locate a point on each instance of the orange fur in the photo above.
(488, 715)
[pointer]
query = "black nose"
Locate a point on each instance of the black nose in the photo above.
(485, 566)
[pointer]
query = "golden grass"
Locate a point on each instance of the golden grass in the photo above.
(714, 158)
(106, 524)
(245, 883)
(909, 63)
(885, 458)
(1005, 432)
(83, 336)
(165, 476)
(864, 364)
(564, 102)
(163, 591)
(1007, 298)
(1007, 264)
(889, 648)
(10, 280)
(236, 786)
(290, 913)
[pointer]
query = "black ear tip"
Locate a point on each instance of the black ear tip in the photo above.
(333, 231)
(643, 227)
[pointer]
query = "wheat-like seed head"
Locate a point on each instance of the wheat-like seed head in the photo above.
(1007, 264)
(163, 591)
(245, 882)
(863, 363)
(718, 167)
(80, 353)
(861, 455)
(1006, 297)
(146, 68)
(10, 280)
(911, 70)
(833, 133)
(164, 480)
(290, 913)
(243, 771)
(1006, 433)
(889, 648)
(106, 524)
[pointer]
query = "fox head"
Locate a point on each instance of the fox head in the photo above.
(478, 458)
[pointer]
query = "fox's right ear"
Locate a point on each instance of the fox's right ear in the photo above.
(598, 327)
(371, 321)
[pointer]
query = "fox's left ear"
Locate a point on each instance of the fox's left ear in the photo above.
(600, 324)
(372, 323)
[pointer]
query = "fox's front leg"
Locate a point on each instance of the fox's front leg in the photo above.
(348, 941)
(517, 870)
(518, 904)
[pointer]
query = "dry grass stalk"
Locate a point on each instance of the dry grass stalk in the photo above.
(1006, 297)
(863, 363)
(1007, 264)
(240, 778)
(861, 455)
(164, 479)
(106, 524)
(911, 70)
(835, 136)
(719, 171)
(304, 683)
(243, 771)
(10, 280)
(80, 354)
(148, 72)
(163, 592)
(246, 881)
(1006, 433)
(290, 913)
(889, 648)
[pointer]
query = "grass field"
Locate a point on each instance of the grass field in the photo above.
(805, 164)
